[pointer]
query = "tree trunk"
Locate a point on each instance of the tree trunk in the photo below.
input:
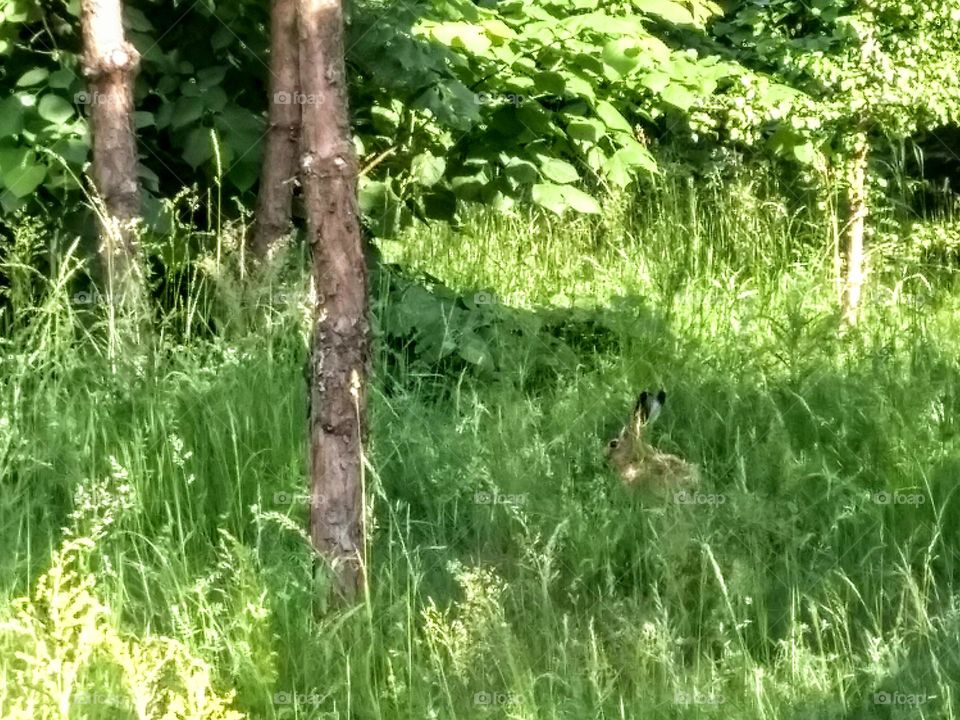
(283, 136)
(339, 355)
(110, 65)
(856, 223)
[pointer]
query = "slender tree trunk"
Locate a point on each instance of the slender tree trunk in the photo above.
(856, 224)
(283, 137)
(110, 64)
(340, 354)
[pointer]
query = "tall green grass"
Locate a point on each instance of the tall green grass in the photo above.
(511, 576)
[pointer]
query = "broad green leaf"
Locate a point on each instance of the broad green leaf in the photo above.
(612, 117)
(427, 169)
(55, 109)
(549, 83)
(372, 197)
(134, 19)
(586, 129)
(143, 119)
(198, 148)
(559, 171)
(580, 86)
(474, 350)
(678, 96)
(33, 77)
(461, 34)
(805, 153)
(211, 76)
(62, 79)
(215, 99)
(521, 171)
(560, 198)
(11, 116)
(187, 110)
(73, 150)
(655, 82)
(622, 54)
(621, 167)
(670, 11)
(244, 174)
(23, 179)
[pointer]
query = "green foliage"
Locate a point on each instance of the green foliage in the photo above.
(453, 102)
(826, 71)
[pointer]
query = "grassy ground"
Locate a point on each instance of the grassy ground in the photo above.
(152, 503)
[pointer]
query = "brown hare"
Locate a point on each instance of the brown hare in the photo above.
(639, 464)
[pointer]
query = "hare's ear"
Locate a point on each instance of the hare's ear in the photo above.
(648, 407)
(642, 412)
(641, 407)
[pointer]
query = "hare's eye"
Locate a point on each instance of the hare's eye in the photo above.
(613, 444)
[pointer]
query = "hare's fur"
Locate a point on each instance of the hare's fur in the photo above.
(640, 464)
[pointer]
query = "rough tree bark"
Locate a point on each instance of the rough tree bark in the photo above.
(339, 355)
(856, 225)
(110, 65)
(279, 168)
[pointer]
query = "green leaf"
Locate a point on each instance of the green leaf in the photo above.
(143, 119)
(72, 150)
(427, 169)
(622, 54)
(464, 35)
(474, 350)
(62, 79)
(670, 11)
(198, 148)
(215, 99)
(560, 198)
(586, 130)
(187, 110)
(655, 82)
(11, 116)
(678, 96)
(24, 178)
(521, 171)
(559, 171)
(385, 120)
(805, 153)
(621, 167)
(33, 77)
(211, 76)
(55, 109)
(372, 197)
(135, 20)
(612, 117)
(244, 175)
(549, 83)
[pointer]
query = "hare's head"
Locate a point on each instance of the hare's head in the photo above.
(638, 462)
